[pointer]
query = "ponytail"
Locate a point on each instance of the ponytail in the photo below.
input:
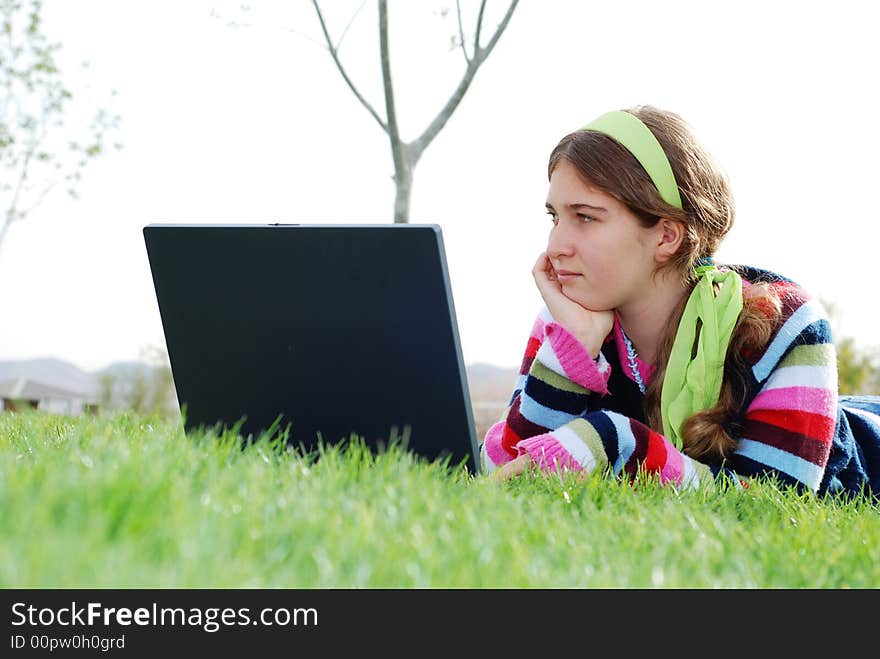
(711, 433)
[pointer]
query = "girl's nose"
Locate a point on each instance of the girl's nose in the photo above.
(560, 242)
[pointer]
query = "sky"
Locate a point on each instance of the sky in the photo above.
(239, 115)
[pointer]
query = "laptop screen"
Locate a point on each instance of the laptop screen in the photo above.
(329, 330)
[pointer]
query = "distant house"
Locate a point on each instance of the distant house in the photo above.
(47, 384)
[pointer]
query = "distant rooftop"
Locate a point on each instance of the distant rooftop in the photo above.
(46, 378)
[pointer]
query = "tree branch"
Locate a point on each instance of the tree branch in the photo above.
(479, 27)
(501, 27)
(305, 36)
(342, 71)
(13, 213)
(461, 32)
(390, 111)
(353, 16)
(39, 199)
(480, 55)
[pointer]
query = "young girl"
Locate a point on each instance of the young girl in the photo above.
(648, 356)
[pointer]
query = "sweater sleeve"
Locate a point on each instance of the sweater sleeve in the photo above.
(557, 378)
(786, 433)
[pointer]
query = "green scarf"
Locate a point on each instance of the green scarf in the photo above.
(692, 384)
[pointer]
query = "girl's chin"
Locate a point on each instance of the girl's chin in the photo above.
(589, 305)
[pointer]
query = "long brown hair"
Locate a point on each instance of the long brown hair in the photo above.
(707, 215)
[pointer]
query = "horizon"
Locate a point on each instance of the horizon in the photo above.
(145, 362)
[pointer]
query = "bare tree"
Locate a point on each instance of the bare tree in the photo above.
(146, 387)
(36, 152)
(406, 154)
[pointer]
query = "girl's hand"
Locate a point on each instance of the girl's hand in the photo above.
(513, 468)
(590, 327)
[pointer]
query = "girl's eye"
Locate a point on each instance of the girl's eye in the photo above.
(584, 218)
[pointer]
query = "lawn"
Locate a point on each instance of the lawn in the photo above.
(130, 501)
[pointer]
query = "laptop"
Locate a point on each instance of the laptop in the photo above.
(327, 332)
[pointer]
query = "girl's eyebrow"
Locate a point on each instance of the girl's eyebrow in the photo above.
(579, 206)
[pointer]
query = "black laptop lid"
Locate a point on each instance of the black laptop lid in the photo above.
(340, 329)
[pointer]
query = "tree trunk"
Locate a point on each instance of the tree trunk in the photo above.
(402, 193)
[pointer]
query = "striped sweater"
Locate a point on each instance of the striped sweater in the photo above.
(569, 411)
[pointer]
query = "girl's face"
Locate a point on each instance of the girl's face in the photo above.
(603, 256)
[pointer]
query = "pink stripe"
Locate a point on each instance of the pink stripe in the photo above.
(494, 449)
(546, 451)
(538, 329)
(576, 361)
(806, 399)
(673, 470)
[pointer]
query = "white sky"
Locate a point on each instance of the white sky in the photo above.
(255, 125)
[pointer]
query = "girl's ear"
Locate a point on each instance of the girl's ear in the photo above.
(669, 238)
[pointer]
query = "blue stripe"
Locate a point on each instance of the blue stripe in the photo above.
(564, 401)
(748, 467)
(802, 470)
(797, 322)
(541, 415)
(726, 475)
(607, 433)
(626, 441)
(517, 388)
(816, 333)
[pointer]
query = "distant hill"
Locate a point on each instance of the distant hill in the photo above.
(490, 386)
(488, 383)
(120, 385)
(65, 375)
(123, 369)
(53, 372)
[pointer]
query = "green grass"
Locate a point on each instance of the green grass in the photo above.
(127, 501)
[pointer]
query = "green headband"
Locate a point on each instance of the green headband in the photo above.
(629, 131)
